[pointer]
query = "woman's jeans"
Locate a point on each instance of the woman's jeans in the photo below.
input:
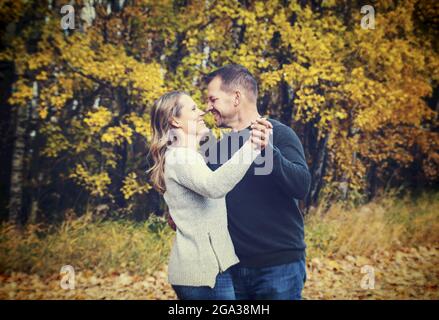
(223, 289)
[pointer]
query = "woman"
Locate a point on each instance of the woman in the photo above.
(203, 250)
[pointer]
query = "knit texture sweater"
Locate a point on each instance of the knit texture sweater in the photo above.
(195, 196)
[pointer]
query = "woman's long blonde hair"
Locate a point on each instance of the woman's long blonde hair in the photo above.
(165, 107)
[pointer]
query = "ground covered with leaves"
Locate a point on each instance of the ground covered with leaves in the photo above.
(410, 273)
(386, 249)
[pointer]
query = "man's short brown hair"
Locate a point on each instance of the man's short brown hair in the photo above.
(235, 76)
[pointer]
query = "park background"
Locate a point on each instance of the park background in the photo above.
(75, 109)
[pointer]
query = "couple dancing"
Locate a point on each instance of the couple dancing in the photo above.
(239, 229)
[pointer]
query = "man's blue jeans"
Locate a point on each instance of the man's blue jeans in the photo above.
(223, 289)
(282, 282)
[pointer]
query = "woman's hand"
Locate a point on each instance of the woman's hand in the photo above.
(260, 134)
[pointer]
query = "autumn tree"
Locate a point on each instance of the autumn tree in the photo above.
(362, 100)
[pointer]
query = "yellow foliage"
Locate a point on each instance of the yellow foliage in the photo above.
(96, 184)
(131, 186)
(142, 125)
(116, 135)
(364, 90)
(56, 141)
(98, 119)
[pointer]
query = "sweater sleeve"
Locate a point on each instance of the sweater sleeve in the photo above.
(289, 164)
(194, 173)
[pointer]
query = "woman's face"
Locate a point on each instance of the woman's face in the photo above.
(191, 120)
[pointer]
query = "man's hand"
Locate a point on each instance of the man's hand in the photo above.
(261, 130)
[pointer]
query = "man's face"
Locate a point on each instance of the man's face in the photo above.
(221, 103)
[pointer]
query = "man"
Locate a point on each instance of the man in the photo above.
(264, 219)
(265, 222)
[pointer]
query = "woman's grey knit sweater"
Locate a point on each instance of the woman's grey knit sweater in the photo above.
(195, 196)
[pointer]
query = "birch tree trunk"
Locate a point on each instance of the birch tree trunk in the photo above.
(16, 186)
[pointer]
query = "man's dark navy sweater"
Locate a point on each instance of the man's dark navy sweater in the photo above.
(265, 222)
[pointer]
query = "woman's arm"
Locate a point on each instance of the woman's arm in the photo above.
(194, 173)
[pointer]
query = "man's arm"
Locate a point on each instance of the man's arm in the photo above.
(289, 164)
